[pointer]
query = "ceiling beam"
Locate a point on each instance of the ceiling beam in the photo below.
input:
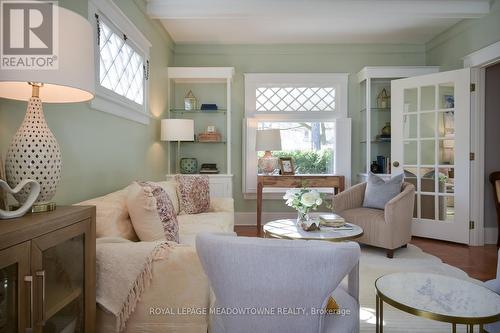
(231, 9)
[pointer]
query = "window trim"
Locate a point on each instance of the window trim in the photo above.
(106, 100)
(252, 117)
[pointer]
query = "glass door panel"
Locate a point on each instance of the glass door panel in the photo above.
(427, 98)
(410, 126)
(410, 157)
(14, 303)
(427, 151)
(427, 125)
(9, 285)
(59, 265)
(410, 100)
(446, 96)
(63, 266)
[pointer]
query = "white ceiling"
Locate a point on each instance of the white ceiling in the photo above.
(311, 21)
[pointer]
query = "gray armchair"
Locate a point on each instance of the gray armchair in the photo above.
(389, 228)
(251, 274)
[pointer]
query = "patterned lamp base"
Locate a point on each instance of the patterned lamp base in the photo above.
(34, 154)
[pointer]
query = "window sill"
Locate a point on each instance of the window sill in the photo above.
(119, 109)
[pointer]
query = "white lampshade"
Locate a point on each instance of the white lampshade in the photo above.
(73, 80)
(177, 130)
(269, 139)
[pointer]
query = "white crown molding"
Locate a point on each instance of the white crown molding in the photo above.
(483, 57)
(225, 9)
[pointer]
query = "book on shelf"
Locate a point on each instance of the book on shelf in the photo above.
(209, 168)
(384, 164)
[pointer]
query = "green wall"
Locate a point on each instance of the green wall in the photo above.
(101, 152)
(293, 59)
(448, 48)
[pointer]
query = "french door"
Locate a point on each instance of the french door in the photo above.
(430, 144)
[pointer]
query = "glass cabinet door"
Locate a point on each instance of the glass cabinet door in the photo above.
(15, 289)
(59, 273)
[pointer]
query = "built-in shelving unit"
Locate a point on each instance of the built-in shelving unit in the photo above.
(375, 116)
(210, 85)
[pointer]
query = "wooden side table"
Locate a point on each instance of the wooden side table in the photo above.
(47, 261)
(295, 181)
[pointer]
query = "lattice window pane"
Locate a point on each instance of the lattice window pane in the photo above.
(121, 67)
(275, 99)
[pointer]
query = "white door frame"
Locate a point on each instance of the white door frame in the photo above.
(478, 61)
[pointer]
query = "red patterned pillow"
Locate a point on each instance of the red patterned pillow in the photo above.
(194, 193)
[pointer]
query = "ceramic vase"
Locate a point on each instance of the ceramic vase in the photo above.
(34, 153)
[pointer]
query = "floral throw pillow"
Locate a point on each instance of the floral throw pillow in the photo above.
(152, 212)
(194, 193)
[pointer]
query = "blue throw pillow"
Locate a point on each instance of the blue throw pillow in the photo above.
(379, 192)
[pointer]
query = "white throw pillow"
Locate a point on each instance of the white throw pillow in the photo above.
(112, 219)
(152, 212)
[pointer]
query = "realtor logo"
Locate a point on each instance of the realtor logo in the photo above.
(29, 35)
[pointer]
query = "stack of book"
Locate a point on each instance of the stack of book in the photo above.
(209, 168)
(331, 220)
(384, 164)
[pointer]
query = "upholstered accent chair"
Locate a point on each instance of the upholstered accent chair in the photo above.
(495, 286)
(495, 181)
(279, 275)
(389, 228)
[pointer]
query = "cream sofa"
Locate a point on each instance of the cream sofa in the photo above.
(179, 282)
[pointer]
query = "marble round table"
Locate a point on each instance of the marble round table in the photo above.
(437, 297)
(287, 229)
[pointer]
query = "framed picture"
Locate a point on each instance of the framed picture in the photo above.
(210, 129)
(286, 166)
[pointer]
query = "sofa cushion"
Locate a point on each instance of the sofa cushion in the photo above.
(192, 224)
(194, 193)
(379, 192)
(152, 212)
(112, 218)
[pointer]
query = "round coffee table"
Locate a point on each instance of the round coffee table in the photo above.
(287, 229)
(437, 297)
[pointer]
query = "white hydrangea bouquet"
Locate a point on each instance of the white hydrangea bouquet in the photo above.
(304, 201)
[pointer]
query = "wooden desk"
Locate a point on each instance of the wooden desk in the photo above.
(294, 181)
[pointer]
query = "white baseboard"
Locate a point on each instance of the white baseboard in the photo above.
(250, 218)
(490, 235)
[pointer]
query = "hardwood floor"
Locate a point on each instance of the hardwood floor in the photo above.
(480, 262)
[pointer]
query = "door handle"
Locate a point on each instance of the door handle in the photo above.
(395, 164)
(42, 275)
(29, 279)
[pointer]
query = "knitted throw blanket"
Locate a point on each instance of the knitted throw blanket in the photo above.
(124, 271)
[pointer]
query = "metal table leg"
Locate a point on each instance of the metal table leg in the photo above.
(377, 310)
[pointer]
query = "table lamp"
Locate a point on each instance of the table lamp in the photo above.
(34, 152)
(177, 130)
(268, 140)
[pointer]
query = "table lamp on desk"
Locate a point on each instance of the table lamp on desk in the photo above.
(268, 140)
